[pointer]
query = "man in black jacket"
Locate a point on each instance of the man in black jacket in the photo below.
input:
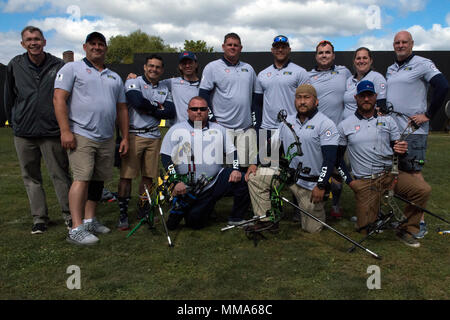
(29, 109)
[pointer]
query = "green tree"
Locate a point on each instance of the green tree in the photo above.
(197, 46)
(121, 49)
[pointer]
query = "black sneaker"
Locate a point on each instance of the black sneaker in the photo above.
(38, 228)
(174, 220)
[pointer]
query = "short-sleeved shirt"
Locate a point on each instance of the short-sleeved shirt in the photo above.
(408, 87)
(159, 93)
(196, 151)
(349, 96)
(233, 87)
(182, 92)
(313, 133)
(368, 143)
(94, 94)
(278, 87)
(330, 86)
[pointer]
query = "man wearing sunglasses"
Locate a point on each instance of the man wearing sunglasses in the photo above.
(330, 82)
(192, 152)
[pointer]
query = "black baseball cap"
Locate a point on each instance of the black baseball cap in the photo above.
(95, 35)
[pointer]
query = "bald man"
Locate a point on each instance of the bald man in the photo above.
(408, 80)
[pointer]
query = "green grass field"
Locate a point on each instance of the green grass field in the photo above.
(209, 264)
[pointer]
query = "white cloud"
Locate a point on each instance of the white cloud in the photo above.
(256, 21)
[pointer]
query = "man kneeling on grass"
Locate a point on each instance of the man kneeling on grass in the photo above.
(371, 140)
(192, 153)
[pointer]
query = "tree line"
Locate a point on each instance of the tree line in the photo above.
(121, 49)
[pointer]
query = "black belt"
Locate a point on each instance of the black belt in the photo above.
(142, 130)
(309, 179)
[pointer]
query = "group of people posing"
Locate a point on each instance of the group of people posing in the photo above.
(362, 128)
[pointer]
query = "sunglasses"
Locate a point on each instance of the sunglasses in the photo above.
(198, 108)
(280, 39)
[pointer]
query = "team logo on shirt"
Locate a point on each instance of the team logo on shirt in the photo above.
(227, 70)
(132, 86)
(269, 74)
(287, 73)
(162, 93)
(408, 68)
(88, 70)
(433, 67)
(381, 124)
(357, 127)
(244, 70)
(328, 133)
(310, 127)
(334, 72)
(382, 86)
(111, 77)
(59, 77)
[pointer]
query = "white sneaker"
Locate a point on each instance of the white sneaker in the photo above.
(95, 227)
(80, 236)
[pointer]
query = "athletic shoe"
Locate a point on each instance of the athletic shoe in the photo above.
(422, 232)
(336, 214)
(240, 223)
(262, 226)
(123, 222)
(38, 228)
(95, 227)
(174, 220)
(80, 236)
(408, 239)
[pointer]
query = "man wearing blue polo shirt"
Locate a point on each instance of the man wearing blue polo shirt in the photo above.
(330, 82)
(88, 98)
(408, 80)
(228, 85)
(371, 140)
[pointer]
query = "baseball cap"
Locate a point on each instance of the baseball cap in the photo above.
(95, 35)
(280, 39)
(364, 86)
(187, 55)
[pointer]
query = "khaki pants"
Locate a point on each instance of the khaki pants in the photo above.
(303, 197)
(368, 194)
(259, 189)
(29, 152)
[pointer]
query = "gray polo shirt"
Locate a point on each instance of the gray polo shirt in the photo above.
(408, 87)
(349, 96)
(93, 98)
(330, 86)
(233, 87)
(278, 86)
(159, 93)
(314, 133)
(182, 92)
(196, 151)
(368, 143)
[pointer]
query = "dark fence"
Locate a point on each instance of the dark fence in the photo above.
(260, 60)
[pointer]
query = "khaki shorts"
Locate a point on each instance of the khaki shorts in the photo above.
(92, 160)
(142, 158)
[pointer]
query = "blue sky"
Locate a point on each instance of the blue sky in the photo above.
(344, 22)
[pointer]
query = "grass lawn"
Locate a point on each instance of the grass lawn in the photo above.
(209, 264)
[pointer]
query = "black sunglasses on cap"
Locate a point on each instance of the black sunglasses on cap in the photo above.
(198, 108)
